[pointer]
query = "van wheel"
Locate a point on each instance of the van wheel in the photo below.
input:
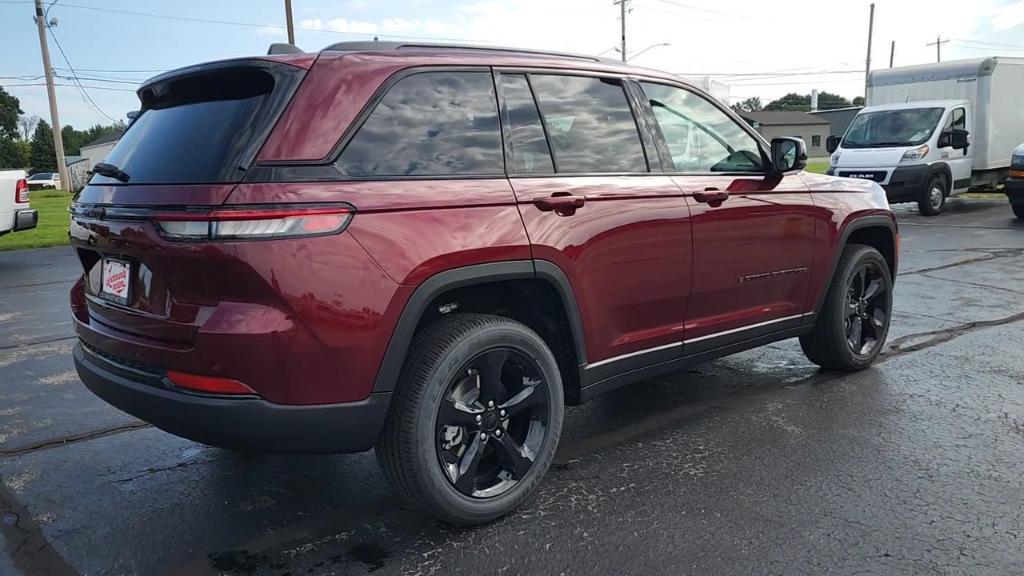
(475, 419)
(854, 320)
(1018, 210)
(934, 198)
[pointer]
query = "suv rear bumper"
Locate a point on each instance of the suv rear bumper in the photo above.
(244, 423)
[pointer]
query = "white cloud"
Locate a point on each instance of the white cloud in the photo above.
(271, 30)
(1009, 16)
(352, 26)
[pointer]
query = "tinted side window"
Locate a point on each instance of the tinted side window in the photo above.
(700, 137)
(589, 123)
(530, 151)
(429, 124)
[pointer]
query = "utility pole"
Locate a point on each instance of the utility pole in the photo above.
(867, 65)
(892, 53)
(288, 18)
(58, 142)
(938, 47)
(622, 18)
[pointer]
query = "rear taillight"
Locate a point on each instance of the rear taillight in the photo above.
(254, 223)
(21, 192)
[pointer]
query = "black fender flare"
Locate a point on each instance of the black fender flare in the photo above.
(874, 221)
(939, 168)
(401, 337)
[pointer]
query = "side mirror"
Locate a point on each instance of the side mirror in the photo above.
(958, 139)
(832, 143)
(788, 154)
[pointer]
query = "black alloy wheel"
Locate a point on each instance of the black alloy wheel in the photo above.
(491, 423)
(867, 309)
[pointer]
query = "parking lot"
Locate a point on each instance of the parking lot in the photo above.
(757, 463)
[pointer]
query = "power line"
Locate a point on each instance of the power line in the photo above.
(252, 24)
(999, 44)
(140, 70)
(78, 82)
(69, 85)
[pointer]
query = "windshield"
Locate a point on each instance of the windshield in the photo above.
(40, 176)
(201, 128)
(890, 128)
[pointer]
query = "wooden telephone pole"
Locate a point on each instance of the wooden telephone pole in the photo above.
(288, 19)
(938, 47)
(51, 93)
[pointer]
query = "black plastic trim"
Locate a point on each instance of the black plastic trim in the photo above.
(550, 272)
(858, 224)
(593, 389)
(25, 220)
(401, 337)
(244, 423)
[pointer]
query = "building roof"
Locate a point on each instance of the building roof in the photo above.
(105, 139)
(782, 118)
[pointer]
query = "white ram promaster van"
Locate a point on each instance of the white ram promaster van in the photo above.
(935, 129)
(14, 212)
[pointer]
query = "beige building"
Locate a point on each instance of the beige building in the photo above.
(773, 124)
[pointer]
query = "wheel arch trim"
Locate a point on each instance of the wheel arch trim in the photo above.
(858, 223)
(391, 364)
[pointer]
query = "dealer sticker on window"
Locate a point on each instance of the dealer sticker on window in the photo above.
(116, 280)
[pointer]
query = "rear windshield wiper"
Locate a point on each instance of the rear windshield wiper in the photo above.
(104, 169)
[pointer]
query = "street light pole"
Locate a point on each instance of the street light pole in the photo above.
(51, 92)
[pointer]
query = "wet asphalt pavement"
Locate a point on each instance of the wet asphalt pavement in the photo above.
(754, 464)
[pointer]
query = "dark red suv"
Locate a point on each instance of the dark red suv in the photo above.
(432, 250)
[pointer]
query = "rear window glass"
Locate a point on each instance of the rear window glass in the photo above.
(203, 128)
(430, 124)
(589, 123)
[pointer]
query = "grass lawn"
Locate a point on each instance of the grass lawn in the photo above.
(817, 166)
(53, 222)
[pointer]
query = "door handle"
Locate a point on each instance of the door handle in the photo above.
(711, 196)
(561, 205)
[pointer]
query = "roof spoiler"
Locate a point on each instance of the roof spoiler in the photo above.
(283, 48)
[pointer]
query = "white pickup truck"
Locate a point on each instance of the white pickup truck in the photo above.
(15, 214)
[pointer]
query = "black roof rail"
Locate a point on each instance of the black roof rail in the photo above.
(283, 48)
(388, 45)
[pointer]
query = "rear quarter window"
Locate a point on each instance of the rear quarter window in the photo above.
(430, 124)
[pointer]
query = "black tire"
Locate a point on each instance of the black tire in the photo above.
(1018, 210)
(411, 449)
(829, 344)
(933, 197)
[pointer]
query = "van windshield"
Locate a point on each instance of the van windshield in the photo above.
(201, 127)
(891, 128)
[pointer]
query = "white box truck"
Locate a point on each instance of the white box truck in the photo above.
(933, 130)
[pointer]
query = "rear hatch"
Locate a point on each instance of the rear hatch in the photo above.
(195, 137)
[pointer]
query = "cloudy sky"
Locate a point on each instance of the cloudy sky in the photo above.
(760, 48)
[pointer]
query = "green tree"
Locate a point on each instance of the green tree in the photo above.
(43, 157)
(748, 105)
(10, 110)
(791, 101)
(858, 101)
(802, 102)
(13, 153)
(75, 139)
